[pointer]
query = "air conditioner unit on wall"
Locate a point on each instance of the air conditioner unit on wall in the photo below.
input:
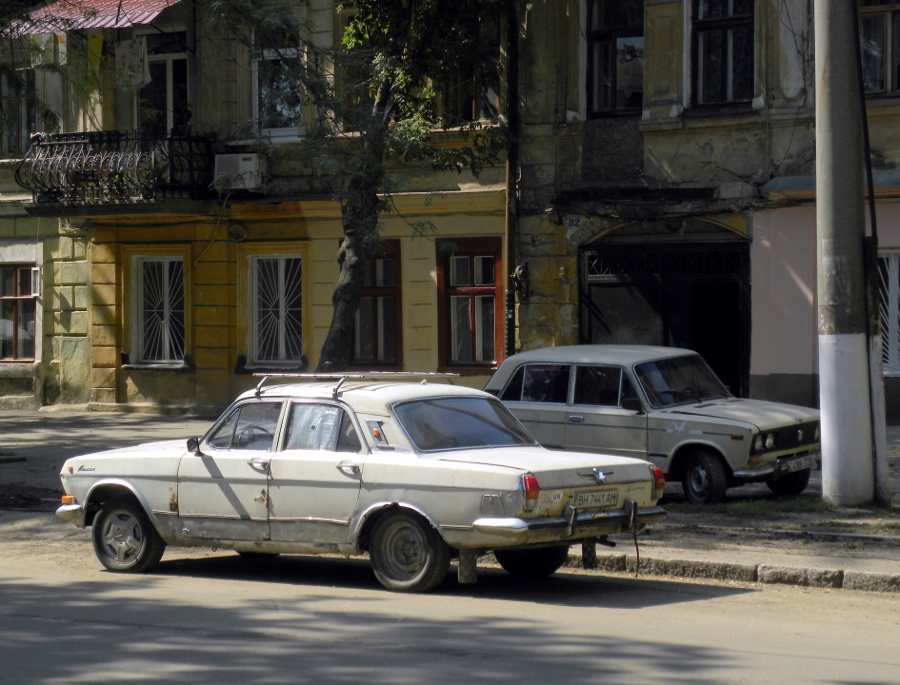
(245, 171)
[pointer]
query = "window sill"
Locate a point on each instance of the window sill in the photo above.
(738, 109)
(178, 368)
(245, 368)
(469, 370)
(616, 114)
(16, 368)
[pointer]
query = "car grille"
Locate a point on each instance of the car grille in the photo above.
(798, 435)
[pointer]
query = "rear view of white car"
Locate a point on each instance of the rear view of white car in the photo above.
(414, 474)
(664, 405)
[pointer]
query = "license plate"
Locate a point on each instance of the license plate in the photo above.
(799, 463)
(596, 498)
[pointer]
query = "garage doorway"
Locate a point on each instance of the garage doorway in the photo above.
(695, 296)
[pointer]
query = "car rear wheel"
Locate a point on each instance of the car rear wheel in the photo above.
(789, 484)
(124, 539)
(407, 554)
(704, 480)
(532, 563)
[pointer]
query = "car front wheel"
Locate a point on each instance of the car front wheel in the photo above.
(532, 563)
(407, 554)
(789, 484)
(124, 539)
(704, 480)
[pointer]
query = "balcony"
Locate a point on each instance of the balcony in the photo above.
(116, 167)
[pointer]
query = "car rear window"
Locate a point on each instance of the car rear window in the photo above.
(450, 423)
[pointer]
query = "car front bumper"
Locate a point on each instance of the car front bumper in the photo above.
(72, 512)
(781, 466)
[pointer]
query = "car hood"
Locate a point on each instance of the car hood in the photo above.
(161, 448)
(555, 468)
(760, 413)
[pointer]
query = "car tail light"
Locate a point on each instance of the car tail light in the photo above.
(659, 482)
(532, 491)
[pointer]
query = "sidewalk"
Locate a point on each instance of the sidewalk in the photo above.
(856, 549)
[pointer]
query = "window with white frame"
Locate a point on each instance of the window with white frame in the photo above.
(879, 27)
(18, 307)
(160, 316)
(615, 39)
(470, 318)
(277, 89)
(723, 51)
(889, 271)
(276, 309)
(163, 103)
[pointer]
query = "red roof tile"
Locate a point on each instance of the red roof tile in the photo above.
(88, 14)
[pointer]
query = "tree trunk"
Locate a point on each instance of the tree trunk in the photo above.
(359, 219)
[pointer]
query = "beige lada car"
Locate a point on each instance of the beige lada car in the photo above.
(413, 474)
(664, 405)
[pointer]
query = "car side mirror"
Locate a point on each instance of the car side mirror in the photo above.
(632, 404)
(193, 445)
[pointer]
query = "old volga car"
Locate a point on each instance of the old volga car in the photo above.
(414, 474)
(662, 404)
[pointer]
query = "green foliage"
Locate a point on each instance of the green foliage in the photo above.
(378, 96)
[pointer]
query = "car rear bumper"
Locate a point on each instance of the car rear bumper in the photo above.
(573, 525)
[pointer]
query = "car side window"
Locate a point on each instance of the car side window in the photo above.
(320, 427)
(250, 426)
(598, 385)
(539, 383)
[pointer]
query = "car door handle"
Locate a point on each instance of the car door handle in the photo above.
(257, 463)
(348, 467)
(575, 418)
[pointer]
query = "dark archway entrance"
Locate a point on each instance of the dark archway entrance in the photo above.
(680, 295)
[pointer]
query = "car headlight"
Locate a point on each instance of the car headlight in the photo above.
(764, 441)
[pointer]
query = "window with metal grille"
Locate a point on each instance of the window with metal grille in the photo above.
(889, 271)
(160, 316)
(276, 309)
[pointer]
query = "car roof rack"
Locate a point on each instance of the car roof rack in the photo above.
(342, 376)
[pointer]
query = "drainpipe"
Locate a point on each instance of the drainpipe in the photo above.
(512, 170)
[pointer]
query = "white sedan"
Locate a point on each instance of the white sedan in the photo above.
(665, 405)
(415, 474)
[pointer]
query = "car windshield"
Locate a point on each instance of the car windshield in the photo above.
(452, 423)
(680, 380)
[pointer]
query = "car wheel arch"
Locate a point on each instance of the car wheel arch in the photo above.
(369, 519)
(108, 490)
(680, 458)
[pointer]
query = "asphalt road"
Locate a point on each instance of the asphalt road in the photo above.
(219, 618)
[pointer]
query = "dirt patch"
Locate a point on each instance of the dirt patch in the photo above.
(28, 498)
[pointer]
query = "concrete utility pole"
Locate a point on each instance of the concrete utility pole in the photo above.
(847, 464)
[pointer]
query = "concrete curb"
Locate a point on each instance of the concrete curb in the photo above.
(746, 573)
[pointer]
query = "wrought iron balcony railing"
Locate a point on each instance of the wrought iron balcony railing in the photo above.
(104, 167)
